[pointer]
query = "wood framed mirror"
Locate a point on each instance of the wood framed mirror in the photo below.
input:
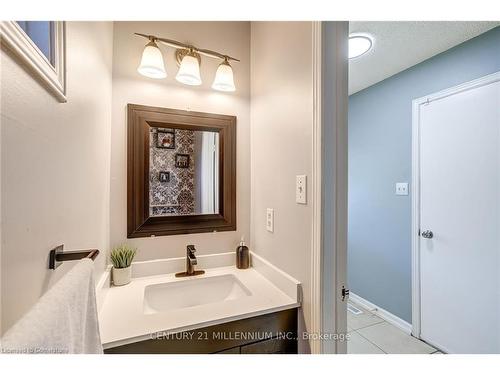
(181, 174)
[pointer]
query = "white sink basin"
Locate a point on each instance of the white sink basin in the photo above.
(193, 292)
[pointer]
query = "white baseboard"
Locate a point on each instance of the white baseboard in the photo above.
(380, 312)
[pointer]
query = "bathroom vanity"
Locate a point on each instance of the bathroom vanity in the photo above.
(274, 333)
(225, 310)
(182, 180)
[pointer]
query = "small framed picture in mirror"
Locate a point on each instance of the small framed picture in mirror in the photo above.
(164, 177)
(182, 160)
(166, 138)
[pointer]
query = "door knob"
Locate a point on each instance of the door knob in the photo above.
(427, 234)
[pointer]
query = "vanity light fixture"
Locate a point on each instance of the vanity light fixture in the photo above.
(224, 80)
(152, 64)
(189, 69)
(189, 60)
(359, 44)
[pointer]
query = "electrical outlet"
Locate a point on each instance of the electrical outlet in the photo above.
(402, 188)
(270, 220)
(301, 189)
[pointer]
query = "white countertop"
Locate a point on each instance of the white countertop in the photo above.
(123, 321)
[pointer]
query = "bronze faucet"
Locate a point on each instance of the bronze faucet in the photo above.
(191, 261)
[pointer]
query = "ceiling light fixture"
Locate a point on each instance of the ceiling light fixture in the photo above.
(359, 44)
(189, 60)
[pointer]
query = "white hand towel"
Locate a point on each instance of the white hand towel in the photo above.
(64, 320)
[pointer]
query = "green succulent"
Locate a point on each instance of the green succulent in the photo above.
(122, 256)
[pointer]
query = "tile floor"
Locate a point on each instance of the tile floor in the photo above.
(370, 334)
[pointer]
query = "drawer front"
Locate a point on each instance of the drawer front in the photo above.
(272, 346)
(230, 351)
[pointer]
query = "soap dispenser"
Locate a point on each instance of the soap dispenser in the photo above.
(242, 255)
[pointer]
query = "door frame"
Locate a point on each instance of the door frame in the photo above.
(415, 196)
(329, 185)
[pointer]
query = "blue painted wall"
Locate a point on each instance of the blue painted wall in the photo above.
(379, 250)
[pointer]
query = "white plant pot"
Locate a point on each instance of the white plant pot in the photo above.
(121, 276)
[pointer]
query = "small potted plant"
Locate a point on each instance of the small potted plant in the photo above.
(121, 257)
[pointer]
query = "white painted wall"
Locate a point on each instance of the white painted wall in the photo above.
(281, 133)
(129, 86)
(55, 166)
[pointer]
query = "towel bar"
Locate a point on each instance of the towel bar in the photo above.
(57, 256)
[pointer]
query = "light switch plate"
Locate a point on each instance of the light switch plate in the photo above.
(401, 188)
(270, 220)
(301, 189)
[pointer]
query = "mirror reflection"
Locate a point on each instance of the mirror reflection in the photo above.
(183, 172)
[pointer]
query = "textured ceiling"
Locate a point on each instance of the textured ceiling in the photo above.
(399, 45)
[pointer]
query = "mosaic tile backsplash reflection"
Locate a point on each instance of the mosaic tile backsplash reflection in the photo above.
(175, 194)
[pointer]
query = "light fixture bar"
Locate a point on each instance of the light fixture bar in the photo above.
(176, 44)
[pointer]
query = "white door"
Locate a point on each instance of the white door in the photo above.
(459, 202)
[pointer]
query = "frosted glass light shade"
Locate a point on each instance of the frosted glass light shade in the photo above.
(152, 65)
(224, 80)
(189, 71)
(359, 45)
